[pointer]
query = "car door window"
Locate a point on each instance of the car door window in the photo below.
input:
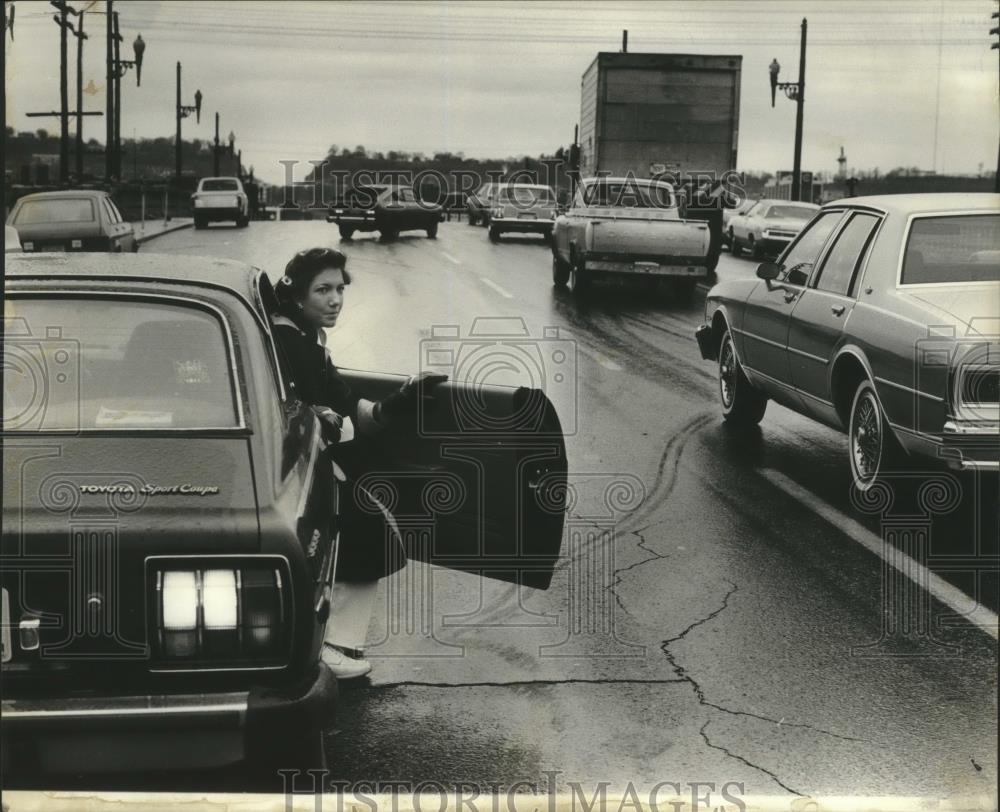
(841, 264)
(801, 258)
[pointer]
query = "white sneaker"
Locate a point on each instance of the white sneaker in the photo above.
(342, 666)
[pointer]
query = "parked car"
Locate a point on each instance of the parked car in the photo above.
(480, 203)
(218, 200)
(11, 240)
(184, 506)
(627, 227)
(71, 220)
(729, 214)
(768, 226)
(879, 320)
(523, 208)
(385, 208)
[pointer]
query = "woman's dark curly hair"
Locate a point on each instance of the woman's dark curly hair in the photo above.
(300, 272)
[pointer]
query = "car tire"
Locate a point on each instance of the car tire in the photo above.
(199, 223)
(579, 280)
(683, 290)
(873, 449)
(756, 250)
(494, 234)
(242, 222)
(734, 244)
(484, 221)
(432, 231)
(346, 232)
(742, 405)
(560, 271)
(472, 219)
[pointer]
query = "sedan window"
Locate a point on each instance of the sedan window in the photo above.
(791, 213)
(65, 210)
(220, 185)
(960, 248)
(117, 364)
(798, 263)
(837, 273)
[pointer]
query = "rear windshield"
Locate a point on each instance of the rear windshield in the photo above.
(791, 213)
(76, 364)
(222, 185)
(526, 196)
(628, 194)
(64, 210)
(960, 248)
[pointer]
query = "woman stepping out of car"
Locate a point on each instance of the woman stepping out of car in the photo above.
(311, 298)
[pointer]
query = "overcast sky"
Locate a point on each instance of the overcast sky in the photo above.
(902, 83)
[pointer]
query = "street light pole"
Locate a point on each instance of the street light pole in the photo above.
(215, 148)
(63, 96)
(117, 152)
(797, 92)
(183, 111)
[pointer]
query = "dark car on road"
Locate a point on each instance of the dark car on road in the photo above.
(73, 220)
(385, 208)
(880, 320)
(170, 528)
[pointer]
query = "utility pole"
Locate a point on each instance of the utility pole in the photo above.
(215, 148)
(109, 158)
(80, 37)
(625, 41)
(63, 93)
(118, 103)
(996, 45)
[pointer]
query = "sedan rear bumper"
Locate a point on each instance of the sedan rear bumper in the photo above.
(115, 734)
(971, 446)
(526, 226)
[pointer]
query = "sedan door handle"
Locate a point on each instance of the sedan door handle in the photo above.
(837, 310)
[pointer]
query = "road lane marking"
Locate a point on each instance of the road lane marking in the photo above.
(949, 595)
(497, 288)
(607, 363)
(450, 258)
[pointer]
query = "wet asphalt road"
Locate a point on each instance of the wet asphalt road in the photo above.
(714, 617)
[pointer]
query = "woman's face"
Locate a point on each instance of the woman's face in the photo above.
(325, 298)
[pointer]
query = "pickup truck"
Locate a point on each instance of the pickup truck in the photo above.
(220, 199)
(628, 227)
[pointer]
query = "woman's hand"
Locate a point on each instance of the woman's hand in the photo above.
(404, 401)
(331, 423)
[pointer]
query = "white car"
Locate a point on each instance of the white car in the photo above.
(523, 208)
(220, 199)
(768, 227)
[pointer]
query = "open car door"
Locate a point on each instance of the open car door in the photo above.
(476, 480)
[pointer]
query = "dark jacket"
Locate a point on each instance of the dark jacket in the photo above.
(369, 548)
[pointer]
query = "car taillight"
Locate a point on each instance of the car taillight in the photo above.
(980, 385)
(220, 614)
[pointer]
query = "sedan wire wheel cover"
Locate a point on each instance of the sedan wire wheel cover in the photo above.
(727, 373)
(866, 438)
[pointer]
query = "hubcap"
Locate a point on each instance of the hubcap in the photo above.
(727, 373)
(866, 442)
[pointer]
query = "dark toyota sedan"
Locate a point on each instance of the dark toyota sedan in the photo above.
(169, 516)
(73, 220)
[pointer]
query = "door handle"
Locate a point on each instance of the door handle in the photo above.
(837, 310)
(790, 297)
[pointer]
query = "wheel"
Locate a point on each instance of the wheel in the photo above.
(756, 251)
(560, 272)
(741, 403)
(734, 244)
(494, 234)
(242, 222)
(874, 449)
(472, 219)
(579, 280)
(199, 223)
(484, 220)
(389, 234)
(432, 231)
(346, 232)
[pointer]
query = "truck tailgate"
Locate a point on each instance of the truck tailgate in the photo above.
(680, 241)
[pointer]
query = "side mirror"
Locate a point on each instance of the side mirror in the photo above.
(769, 271)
